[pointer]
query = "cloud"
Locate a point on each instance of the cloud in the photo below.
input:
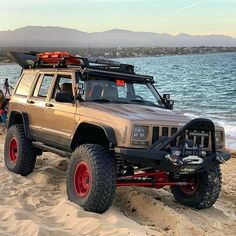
(186, 7)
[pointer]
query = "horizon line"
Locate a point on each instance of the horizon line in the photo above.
(90, 32)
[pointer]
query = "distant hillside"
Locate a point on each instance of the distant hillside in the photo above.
(38, 36)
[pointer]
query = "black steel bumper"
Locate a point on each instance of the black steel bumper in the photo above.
(161, 155)
(163, 160)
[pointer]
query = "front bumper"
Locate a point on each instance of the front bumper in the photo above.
(161, 156)
(163, 160)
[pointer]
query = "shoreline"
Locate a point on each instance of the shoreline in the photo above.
(173, 55)
(145, 56)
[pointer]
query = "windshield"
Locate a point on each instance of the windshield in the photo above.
(120, 91)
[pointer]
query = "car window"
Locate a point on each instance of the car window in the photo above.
(122, 88)
(142, 91)
(25, 84)
(63, 84)
(42, 86)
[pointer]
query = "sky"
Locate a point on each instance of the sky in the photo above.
(196, 17)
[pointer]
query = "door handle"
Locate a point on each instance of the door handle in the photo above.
(49, 104)
(30, 101)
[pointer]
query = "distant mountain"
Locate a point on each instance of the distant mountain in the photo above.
(48, 36)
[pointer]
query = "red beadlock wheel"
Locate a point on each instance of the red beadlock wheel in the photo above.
(191, 189)
(82, 179)
(204, 191)
(91, 178)
(13, 150)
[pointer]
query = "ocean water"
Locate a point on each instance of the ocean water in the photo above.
(201, 85)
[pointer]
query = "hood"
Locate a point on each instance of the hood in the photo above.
(136, 112)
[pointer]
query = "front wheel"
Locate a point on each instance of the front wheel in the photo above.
(203, 193)
(91, 178)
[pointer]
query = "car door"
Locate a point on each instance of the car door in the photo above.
(36, 104)
(59, 124)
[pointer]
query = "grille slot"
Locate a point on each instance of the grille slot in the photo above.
(155, 134)
(173, 131)
(164, 131)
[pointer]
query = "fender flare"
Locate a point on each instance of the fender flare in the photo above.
(25, 120)
(109, 131)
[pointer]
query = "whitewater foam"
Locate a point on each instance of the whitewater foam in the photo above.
(230, 134)
(230, 131)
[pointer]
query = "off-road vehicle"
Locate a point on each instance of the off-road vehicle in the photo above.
(116, 128)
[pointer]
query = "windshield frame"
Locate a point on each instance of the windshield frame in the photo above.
(150, 85)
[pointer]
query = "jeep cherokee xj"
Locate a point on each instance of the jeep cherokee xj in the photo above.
(116, 129)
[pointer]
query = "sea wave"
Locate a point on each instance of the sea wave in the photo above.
(192, 116)
(230, 134)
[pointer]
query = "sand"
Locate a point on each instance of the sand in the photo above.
(38, 205)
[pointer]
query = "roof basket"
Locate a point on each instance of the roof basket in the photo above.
(64, 60)
(56, 59)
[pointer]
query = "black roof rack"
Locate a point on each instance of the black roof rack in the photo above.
(31, 60)
(94, 65)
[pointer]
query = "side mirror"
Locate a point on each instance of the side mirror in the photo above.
(64, 97)
(166, 96)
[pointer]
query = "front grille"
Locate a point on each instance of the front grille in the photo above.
(163, 131)
(199, 141)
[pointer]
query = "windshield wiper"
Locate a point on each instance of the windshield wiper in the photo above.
(106, 100)
(144, 102)
(100, 100)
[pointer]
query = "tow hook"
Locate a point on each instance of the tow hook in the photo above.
(220, 159)
(173, 159)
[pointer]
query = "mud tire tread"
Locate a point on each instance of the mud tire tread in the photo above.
(209, 188)
(103, 171)
(26, 151)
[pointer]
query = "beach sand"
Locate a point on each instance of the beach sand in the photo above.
(38, 205)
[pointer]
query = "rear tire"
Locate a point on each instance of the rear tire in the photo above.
(19, 153)
(91, 178)
(206, 191)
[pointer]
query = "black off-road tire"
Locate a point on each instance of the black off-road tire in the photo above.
(101, 178)
(25, 152)
(207, 191)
